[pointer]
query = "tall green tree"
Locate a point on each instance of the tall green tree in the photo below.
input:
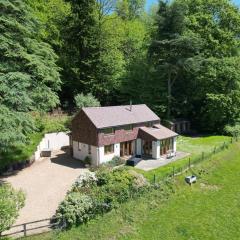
(51, 15)
(29, 76)
(130, 9)
(80, 54)
(193, 39)
(171, 51)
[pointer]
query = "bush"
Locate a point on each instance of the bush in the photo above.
(233, 131)
(87, 160)
(75, 209)
(116, 161)
(87, 179)
(103, 191)
(11, 202)
(88, 100)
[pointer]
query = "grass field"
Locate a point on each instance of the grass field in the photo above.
(210, 209)
(195, 146)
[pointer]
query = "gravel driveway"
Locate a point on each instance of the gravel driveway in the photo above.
(45, 184)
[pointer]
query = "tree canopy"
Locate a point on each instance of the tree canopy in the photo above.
(11, 202)
(29, 75)
(181, 58)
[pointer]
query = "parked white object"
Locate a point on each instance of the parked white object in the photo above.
(191, 179)
(171, 154)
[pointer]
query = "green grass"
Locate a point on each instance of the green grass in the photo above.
(210, 209)
(194, 146)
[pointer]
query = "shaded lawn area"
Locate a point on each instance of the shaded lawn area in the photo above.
(210, 209)
(193, 145)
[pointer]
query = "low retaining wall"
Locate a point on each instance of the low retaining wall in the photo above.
(53, 141)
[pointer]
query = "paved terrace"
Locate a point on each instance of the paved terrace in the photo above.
(148, 164)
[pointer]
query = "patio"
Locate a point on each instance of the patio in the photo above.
(148, 164)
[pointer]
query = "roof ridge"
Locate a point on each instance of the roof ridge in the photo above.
(115, 106)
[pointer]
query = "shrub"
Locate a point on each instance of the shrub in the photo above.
(87, 160)
(139, 181)
(88, 100)
(232, 130)
(86, 179)
(75, 209)
(11, 202)
(99, 192)
(116, 161)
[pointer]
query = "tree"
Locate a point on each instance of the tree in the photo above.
(130, 9)
(11, 202)
(51, 15)
(29, 78)
(171, 51)
(88, 100)
(80, 53)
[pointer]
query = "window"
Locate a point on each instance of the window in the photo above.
(108, 149)
(108, 130)
(89, 149)
(79, 146)
(128, 127)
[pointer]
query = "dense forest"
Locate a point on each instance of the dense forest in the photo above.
(181, 58)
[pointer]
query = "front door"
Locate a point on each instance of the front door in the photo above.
(125, 148)
(147, 148)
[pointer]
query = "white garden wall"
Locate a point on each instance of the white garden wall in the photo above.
(53, 141)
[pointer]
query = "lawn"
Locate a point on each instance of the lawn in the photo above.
(195, 146)
(210, 209)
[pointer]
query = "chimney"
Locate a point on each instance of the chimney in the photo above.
(130, 105)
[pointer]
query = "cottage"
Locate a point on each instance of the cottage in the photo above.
(104, 132)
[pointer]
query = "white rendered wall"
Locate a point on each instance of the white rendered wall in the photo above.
(174, 144)
(108, 157)
(139, 146)
(82, 153)
(156, 149)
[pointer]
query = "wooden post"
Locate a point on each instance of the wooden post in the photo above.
(154, 178)
(189, 163)
(25, 229)
(173, 171)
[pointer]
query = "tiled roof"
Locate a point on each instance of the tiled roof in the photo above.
(158, 132)
(103, 117)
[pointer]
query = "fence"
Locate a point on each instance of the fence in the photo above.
(192, 161)
(30, 228)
